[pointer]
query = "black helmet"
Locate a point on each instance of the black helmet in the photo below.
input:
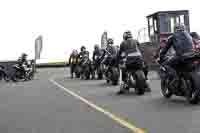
(82, 48)
(24, 55)
(96, 46)
(127, 34)
(110, 41)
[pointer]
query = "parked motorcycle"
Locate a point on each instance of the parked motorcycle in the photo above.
(187, 80)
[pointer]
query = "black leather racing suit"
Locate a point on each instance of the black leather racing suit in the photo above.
(82, 55)
(112, 52)
(111, 59)
(97, 55)
(73, 61)
(182, 43)
(128, 47)
(21, 63)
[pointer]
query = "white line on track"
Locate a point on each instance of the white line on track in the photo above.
(117, 119)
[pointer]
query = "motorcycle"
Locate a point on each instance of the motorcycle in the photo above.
(186, 80)
(23, 73)
(136, 77)
(111, 70)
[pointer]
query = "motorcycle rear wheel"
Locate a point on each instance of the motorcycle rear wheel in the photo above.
(190, 92)
(140, 82)
(164, 90)
(115, 76)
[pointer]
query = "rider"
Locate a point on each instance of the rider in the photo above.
(22, 62)
(111, 51)
(23, 59)
(73, 61)
(129, 49)
(97, 58)
(181, 42)
(96, 54)
(82, 55)
(110, 48)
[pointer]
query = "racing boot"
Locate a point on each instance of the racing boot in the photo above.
(123, 88)
(148, 88)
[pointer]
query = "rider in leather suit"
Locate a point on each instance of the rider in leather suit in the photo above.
(127, 47)
(83, 53)
(97, 53)
(22, 62)
(73, 62)
(181, 42)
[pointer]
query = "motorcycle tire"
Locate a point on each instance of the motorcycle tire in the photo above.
(140, 82)
(115, 82)
(6, 78)
(15, 76)
(31, 76)
(1, 75)
(100, 76)
(87, 75)
(107, 81)
(164, 90)
(115, 76)
(77, 75)
(190, 92)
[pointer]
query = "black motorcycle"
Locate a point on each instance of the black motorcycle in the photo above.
(23, 72)
(111, 70)
(186, 81)
(136, 77)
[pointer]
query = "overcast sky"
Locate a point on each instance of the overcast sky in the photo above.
(68, 24)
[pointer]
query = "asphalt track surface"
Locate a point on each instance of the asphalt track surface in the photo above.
(45, 105)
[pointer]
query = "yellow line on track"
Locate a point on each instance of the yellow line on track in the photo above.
(97, 108)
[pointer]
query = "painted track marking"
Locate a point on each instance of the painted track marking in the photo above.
(117, 119)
